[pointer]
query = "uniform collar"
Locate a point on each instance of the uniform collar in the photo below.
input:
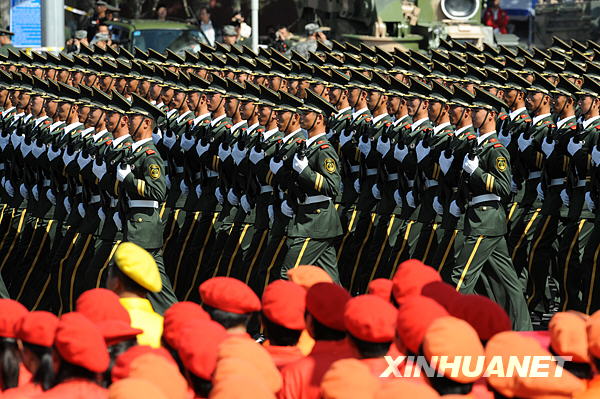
(379, 117)
(512, 115)
(119, 140)
(56, 124)
(27, 117)
(266, 135)
(180, 117)
(253, 127)
(485, 136)
(359, 112)
(313, 139)
(462, 129)
(140, 143)
(171, 112)
(538, 118)
(39, 120)
(237, 125)
(69, 127)
(342, 111)
(588, 122)
(7, 111)
(201, 118)
(560, 123)
(418, 123)
(289, 136)
(397, 121)
(87, 131)
(217, 119)
(98, 135)
(440, 127)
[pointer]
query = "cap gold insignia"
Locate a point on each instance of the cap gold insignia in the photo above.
(154, 171)
(501, 164)
(329, 165)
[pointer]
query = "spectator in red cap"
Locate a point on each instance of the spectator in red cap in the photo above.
(325, 304)
(371, 325)
(36, 332)
(11, 313)
(414, 318)
(484, 315)
(80, 357)
(382, 287)
(283, 308)
(229, 302)
(410, 278)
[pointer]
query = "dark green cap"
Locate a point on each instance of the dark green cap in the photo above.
(419, 56)
(494, 79)
(217, 85)
(38, 59)
(100, 99)
(552, 68)
(593, 70)
(439, 56)
(331, 61)
(556, 55)
(418, 68)
(68, 94)
(512, 64)
(173, 58)
(118, 103)
(315, 59)
(397, 88)
(540, 55)
(269, 97)
(456, 73)
(484, 99)
(359, 80)
(461, 97)
(560, 44)
(197, 83)
(400, 65)
(565, 88)
(460, 59)
(590, 87)
(321, 75)
(140, 54)
(438, 70)
(235, 90)
(156, 57)
(339, 80)
(573, 70)
(246, 65)
(532, 66)
(288, 102)
(506, 52)
(439, 92)
(316, 103)
(475, 74)
(379, 83)
(252, 92)
(141, 106)
(278, 69)
(540, 84)
(516, 82)
(577, 45)
(418, 89)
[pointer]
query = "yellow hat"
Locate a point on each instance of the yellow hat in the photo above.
(138, 265)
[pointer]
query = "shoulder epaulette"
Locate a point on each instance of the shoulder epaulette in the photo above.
(127, 143)
(228, 125)
(299, 141)
(408, 126)
(190, 121)
(47, 122)
(109, 142)
(598, 127)
(497, 145)
(320, 141)
(450, 134)
(471, 137)
(573, 127)
(523, 116)
(324, 146)
(527, 120)
(493, 140)
(503, 117)
(388, 124)
(367, 119)
(150, 152)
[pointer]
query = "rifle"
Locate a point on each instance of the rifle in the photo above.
(463, 187)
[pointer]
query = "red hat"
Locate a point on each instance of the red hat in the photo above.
(370, 318)
(308, 275)
(284, 303)
(483, 314)
(382, 287)
(121, 369)
(410, 278)
(440, 291)
(11, 313)
(199, 346)
(116, 331)
(415, 315)
(38, 328)
(326, 302)
(79, 342)
(178, 315)
(230, 295)
(100, 304)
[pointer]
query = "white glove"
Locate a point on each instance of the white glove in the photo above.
(169, 140)
(513, 186)
(186, 143)
(330, 134)
(224, 153)
(397, 197)
(540, 192)
(245, 204)
(99, 170)
(184, 187)
(157, 137)
(9, 188)
(23, 191)
(35, 192)
(52, 155)
(81, 210)
(410, 199)
(455, 209)
(437, 207)
(67, 205)
(255, 156)
(422, 151)
(400, 154)
(38, 150)
(101, 215)
(589, 202)
(595, 156)
(198, 191)
(548, 148)
(51, 197)
(573, 147)
(271, 213)
(123, 173)
(81, 161)
(238, 155)
(504, 138)
(445, 163)
(469, 165)
(67, 159)
(523, 142)
(201, 149)
(168, 181)
(383, 147)
(364, 146)
(357, 185)
(25, 149)
(286, 210)
(345, 137)
(232, 198)
(299, 164)
(564, 196)
(219, 196)
(275, 166)
(117, 220)
(375, 191)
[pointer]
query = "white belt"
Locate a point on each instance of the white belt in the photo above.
(392, 176)
(179, 169)
(483, 198)
(114, 202)
(94, 199)
(78, 190)
(411, 183)
(143, 204)
(535, 175)
(1, 166)
(46, 182)
(431, 183)
(581, 183)
(556, 182)
(313, 199)
(355, 168)
(212, 173)
(266, 189)
(371, 172)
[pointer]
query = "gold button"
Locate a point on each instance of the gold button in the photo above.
(140, 220)
(318, 211)
(484, 208)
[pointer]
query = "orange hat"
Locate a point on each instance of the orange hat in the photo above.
(162, 373)
(38, 328)
(11, 313)
(198, 346)
(452, 337)
(370, 318)
(241, 386)
(568, 336)
(415, 315)
(483, 314)
(349, 379)
(122, 366)
(176, 316)
(399, 389)
(440, 291)
(326, 303)
(134, 388)
(382, 287)
(307, 276)
(284, 303)
(244, 348)
(117, 331)
(410, 278)
(230, 295)
(79, 342)
(515, 346)
(100, 304)
(593, 335)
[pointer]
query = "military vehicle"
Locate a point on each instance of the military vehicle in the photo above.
(578, 20)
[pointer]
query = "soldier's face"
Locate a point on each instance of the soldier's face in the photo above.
(415, 105)
(76, 78)
(510, 96)
(393, 105)
(166, 95)
(242, 77)
(106, 83)
(231, 106)
(51, 74)
(63, 76)
(455, 113)
(178, 99)
(91, 80)
(132, 86)
(334, 95)
(247, 110)
(259, 80)
(275, 83)
(534, 100)
(265, 115)
(353, 96)
(112, 121)
(480, 116)
(95, 117)
(24, 100)
(51, 108)
(155, 91)
(470, 87)
(558, 103)
(14, 96)
(143, 88)
(214, 101)
(434, 110)
(63, 111)
(192, 100)
(4, 95)
(82, 113)
(138, 125)
(318, 88)
(586, 103)
(283, 119)
(374, 100)
(37, 105)
(293, 87)
(307, 120)
(39, 72)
